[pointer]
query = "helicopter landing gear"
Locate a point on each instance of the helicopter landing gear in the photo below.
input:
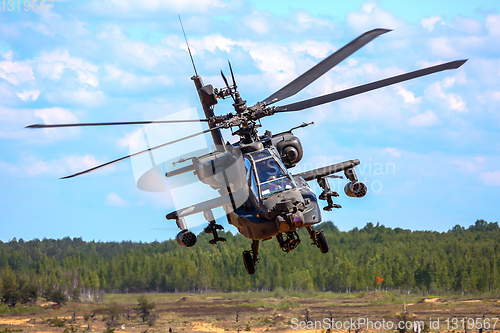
(213, 227)
(290, 243)
(327, 194)
(319, 239)
(250, 258)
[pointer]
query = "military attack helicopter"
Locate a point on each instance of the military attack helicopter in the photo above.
(259, 195)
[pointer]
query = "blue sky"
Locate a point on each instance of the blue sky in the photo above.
(429, 148)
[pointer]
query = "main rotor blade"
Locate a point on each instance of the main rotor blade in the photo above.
(142, 152)
(309, 103)
(324, 66)
(117, 123)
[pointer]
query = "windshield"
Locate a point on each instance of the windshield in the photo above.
(268, 170)
(275, 186)
(271, 174)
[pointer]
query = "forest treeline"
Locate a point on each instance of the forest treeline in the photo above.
(462, 260)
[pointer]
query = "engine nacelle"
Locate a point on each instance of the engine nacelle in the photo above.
(355, 189)
(186, 238)
(216, 168)
(289, 148)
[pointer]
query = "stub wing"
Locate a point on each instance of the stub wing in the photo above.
(328, 170)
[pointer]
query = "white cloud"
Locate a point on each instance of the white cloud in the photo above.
(113, 199)
(26, 95)
(7, 93)
(53, 64)
(78, 97)
(32, 166)
(425, 119)
(132, 81)
(15, 72)
(8, 55)
(450, 81)
(124, 142)
(133, 7)
(408, 96)
(371, 15)
(490, 99)
(475, 40)
(444, 47)
(306, 21)
(157, 108)
(392, 151)
(313, 48)
(213, 42)
(469, 164)
(258, 22)
(139, 54)
(35, 167)
(57, 115)
(77, 163)
(379, 105)
(429, 22)
(368, 6)
(54, 25)
(468, 25)
(490, 178)
(8, 168)
(493, 24)
(276, 62)
(13, 121)
(453, 101)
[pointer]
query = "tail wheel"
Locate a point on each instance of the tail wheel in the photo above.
(322, 243)
(248, 260)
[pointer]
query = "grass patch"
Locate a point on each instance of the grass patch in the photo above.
(286, 303)
(30, 308)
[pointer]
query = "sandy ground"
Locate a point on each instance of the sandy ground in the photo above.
(203, 313)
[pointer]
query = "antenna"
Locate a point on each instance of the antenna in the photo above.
(189, 50)
(234, 82)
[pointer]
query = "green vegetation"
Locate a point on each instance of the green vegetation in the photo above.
(10, 330)
(144, 307)
(17, 289)
(460, 261)
(56, 322)
(54, 295)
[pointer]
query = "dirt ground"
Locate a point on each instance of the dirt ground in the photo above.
(266, 312)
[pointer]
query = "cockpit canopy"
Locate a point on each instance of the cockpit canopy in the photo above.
(267, 174)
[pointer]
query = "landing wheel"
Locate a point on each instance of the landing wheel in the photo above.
(248, 260)
(322, 243)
